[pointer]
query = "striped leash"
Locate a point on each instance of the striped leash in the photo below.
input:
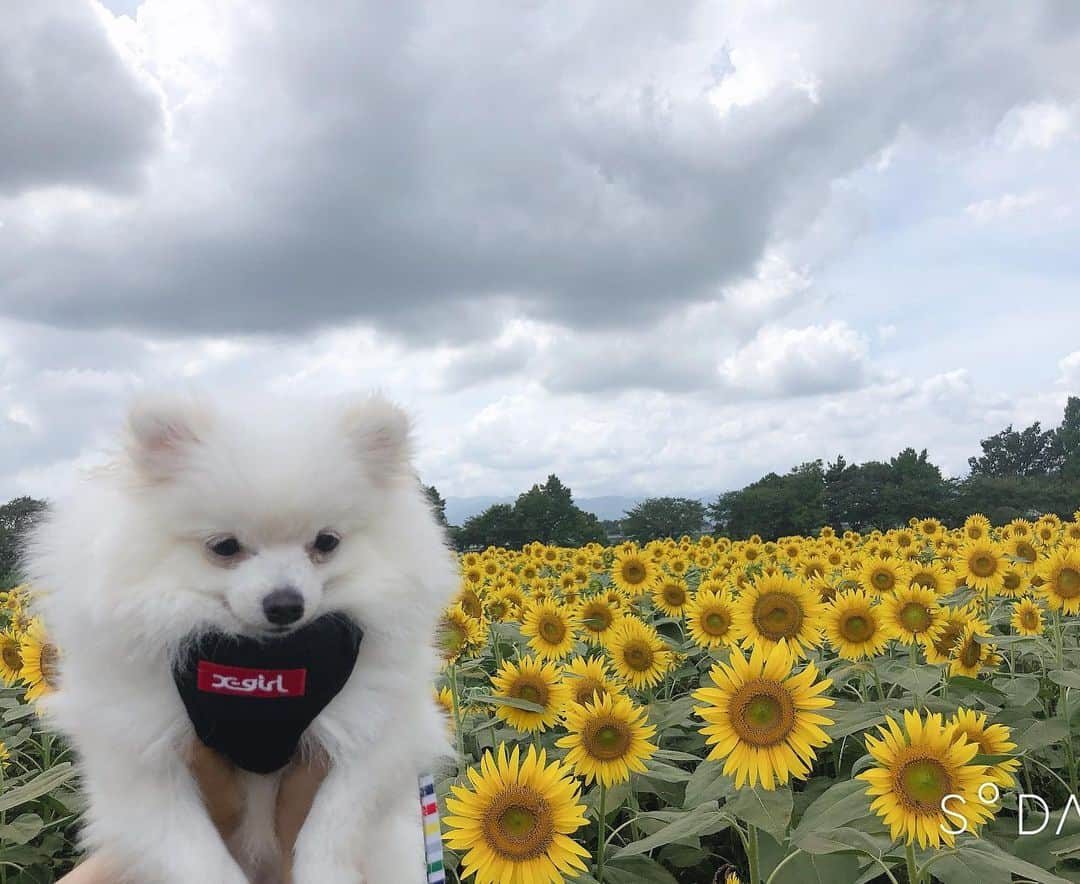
(433, 850)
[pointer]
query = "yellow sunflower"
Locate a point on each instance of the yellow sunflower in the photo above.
(969, 656)
(638, 654)
(633, 573)
(992, 739)
(932, 575)
(912, 615)
(535, 682)
(954, 620)
(779, 608)
(853, 626)
(976, 527)
(916, 768)
(1027, 618)
(1021, 547)
(470, 603)
(588, 678)
(1060, 574)
(457, 633)
(550, 629)
(710, 617)
(608, 739)
(761, 718)
(41, 662)
(1015, 581)
(514, 825)
(930, 527)
(981, 565)
(10, 657)
(879, 575)
(670, 595)
(598, 616)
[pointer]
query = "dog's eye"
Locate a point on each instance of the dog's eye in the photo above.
(326, 542)
(224, 547)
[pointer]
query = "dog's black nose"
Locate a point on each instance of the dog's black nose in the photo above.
(283, 606)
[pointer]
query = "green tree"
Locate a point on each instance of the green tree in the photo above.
(774, 506)
(16, 516)
(498, 525)
(544, 512)
(1028, 452)
(1067, 440)
(660, 517)
(547, 513)
(438, 503)
(914, 487)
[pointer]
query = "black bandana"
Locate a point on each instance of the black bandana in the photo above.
(252, 699)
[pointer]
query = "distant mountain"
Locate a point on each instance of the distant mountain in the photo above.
(611, 506)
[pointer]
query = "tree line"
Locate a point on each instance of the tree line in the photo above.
(1018, 474)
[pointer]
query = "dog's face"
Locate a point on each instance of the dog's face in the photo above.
(254, 518)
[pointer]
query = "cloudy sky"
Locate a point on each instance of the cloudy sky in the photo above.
(654, 247)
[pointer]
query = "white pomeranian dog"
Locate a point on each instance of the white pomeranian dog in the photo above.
(205, 511)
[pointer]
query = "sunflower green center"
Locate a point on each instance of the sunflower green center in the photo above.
(1029, 618)
(674, 595)
(762, 713)
(1011, 581)
(607, 740)
(716, 623)
(518, 824)
(597, 618)
(1069, 583)
(552, 629)
(922, 784)
(883, 580)
(531, 690)
(915, 617)
(983, 565)
(778, 615)
(633, 572)
(857, 628)
(638, 656)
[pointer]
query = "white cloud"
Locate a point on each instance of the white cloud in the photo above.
(1037, 125)
(1003, 207)
(799, 362)
(1070, 372)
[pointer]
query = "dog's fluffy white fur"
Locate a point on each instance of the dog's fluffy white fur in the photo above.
(124, 575)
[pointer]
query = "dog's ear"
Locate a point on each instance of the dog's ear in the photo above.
(162, 430)
(381, 435)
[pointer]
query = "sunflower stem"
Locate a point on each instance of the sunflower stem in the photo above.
(600, 821)
(458, 734)
(1063, 701)
(783, 863)
(914, 665)
(912, 869)
(752, 853)
(877, 680)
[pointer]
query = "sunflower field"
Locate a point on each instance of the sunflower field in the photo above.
(888, 707)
